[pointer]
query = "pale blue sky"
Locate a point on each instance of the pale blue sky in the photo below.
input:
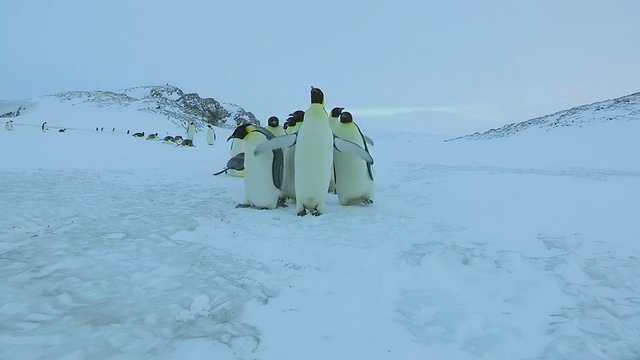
(488, 61)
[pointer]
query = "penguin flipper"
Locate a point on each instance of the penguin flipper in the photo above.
(368, 140)
(277, 142)
(343, 145)
(236, 162)
(277, 168)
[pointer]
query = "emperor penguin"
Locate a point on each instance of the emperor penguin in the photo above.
(313, 158)
(168, 140)
(45, 127)
(152, 136)
(138, 134)
(273, 125)
(333, 120)
(263, 172)
(211, 135)
(9, 125)
(288, 173)
(313, 155)
(178, 139)
(334, 117)
(236, 148)
(191, 132)
(353, 175)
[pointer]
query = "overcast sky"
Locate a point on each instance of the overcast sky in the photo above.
(487, 61)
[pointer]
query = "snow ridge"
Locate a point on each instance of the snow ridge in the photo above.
(626, 108)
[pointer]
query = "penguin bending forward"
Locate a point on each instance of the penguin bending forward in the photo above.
(353, 176)
(236, 148)
(314, 155)
(263, 172)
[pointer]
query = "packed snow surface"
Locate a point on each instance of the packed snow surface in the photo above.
(115, 247)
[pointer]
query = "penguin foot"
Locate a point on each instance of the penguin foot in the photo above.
(315, 212)
(281, 203)
(367, 201)
(302, 212)
(243, 206)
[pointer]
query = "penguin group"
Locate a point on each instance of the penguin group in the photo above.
(314, 153)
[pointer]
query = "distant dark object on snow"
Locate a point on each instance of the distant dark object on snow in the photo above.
(101, 129)
(128, 132)
(96, 129)
(62, 130)
(139, 134)
(114, 129)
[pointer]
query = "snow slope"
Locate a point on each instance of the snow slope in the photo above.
(113, 247)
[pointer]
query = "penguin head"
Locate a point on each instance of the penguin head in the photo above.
(297, 116)
(273, 121)
(241, 132)
(346, 117)
(209, 126)
(317, 96)
(336, 111)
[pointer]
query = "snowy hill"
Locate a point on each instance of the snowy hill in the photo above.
(115, 109)
(114, 247)
(623, 109)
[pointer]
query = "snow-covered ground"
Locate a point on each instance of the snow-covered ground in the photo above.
(114, 247)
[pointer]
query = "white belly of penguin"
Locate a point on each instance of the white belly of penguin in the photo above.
(259, 189)
(352, 178)
(313, 161)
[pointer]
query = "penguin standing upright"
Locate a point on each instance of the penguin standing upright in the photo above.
(45, 127)
(9, 125)
(236, 148)
(191, 132)
(313, 158)
(333, 120)
(263, 172)
(288, 173)
(313, 155)
(211, 135)
(273, 125)
(353, 175)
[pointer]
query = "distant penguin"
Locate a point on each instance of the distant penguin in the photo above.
(9, 125)
(97, 129)
(354, 176)
(101, 129)
(128, 132)
(273, 125)
(152, 136)
(237, 147)
(138, 134)
(113, 130)
(168, 140)
(333, 120)
(263, 173)
(62, 130)
(44, 126)
(211, 135)
(178, 139)
(191, 132)
(187, 142)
